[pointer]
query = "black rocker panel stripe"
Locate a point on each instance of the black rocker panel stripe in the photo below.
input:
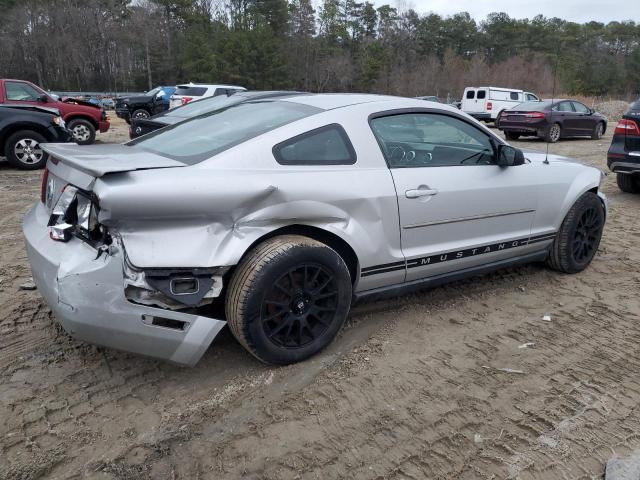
(455, 255)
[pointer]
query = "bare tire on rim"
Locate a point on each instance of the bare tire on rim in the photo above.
(288, 299)
(83, 131)
(579, 236)
(628, 183)
(23, 150)
(554, 132)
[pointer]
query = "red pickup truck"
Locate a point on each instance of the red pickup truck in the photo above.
(83, 119)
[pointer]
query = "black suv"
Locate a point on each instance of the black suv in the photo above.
(144, 106)
(23, 128)
(623, 157)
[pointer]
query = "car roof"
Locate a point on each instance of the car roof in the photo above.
(329, 101)
(209, 85)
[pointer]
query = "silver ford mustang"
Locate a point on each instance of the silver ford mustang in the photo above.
(275, 214)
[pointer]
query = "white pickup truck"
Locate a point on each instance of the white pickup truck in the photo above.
(486, 103)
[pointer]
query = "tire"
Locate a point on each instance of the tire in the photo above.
(577, 241)
(553, 133)
(23, 150)
(82, 131)
(511, 135)
(276, 315)
(140, 113)
(598, 131)
(628, 183)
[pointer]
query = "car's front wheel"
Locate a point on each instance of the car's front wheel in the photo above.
(23, 150)
(140, 113)
(83, 132)
(288, 299)
(628, 183)
(577, 241)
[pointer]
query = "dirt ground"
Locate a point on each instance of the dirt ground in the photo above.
(412, 388)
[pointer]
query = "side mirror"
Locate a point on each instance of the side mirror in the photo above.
(43, 98)
(509, 156)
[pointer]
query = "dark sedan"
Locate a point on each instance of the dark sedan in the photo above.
(623, 157)
(142, 126)
(552, 120)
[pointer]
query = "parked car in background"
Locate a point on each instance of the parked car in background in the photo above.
(142, 126)
(623, 157)
(82, 118)
(486, 103)
(23, 128)
(552, 120)
(286, 210)
(193, 91)
(430, 98)
(144, 106)
(108, 103)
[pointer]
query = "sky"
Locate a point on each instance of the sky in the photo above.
(580, 11)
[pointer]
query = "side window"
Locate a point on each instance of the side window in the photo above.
(21, 91)
(431, 140)
(471, 94)
(482, 94)
(531, 98)
(564, 107)
(328, 145)
(580, 108)
(514, 96)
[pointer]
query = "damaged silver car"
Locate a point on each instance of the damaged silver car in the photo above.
(275, 215)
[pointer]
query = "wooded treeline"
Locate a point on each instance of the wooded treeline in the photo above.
(334, 45)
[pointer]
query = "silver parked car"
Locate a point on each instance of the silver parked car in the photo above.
(274, 215)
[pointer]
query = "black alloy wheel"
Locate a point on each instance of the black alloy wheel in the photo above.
(300, 306)
(587, 236)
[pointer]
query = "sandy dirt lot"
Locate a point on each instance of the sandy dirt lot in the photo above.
(412, 388)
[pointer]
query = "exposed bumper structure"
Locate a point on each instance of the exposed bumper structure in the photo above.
(87, 297)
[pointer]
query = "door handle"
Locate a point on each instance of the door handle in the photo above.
(420, 192)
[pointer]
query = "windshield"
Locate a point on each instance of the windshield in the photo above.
(202, 137)
(205, 105)
(533, 106)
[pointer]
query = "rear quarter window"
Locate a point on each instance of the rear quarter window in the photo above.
(191, 91)
(329, 145)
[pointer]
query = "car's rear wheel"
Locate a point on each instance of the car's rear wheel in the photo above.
(628, 183)
(511, 135)
(288, 299)
(554, 132)
(577, 241)
(140, 113)
(82, 131)
(598, 131)
(23, 150)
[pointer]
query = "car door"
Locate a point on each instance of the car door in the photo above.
(565, 115)
(585, 122)
(22, 93)
(458, 209)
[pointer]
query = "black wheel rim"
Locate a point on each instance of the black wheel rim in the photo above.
(587, 235)
(300, 306)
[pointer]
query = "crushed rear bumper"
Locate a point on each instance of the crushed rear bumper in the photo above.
(87, 297)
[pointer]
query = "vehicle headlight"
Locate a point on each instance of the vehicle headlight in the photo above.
(58, 121)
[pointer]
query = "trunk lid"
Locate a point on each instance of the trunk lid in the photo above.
(98, 160)
(70, 164)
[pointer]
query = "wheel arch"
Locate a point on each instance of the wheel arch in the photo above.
(79, 116)
(6, 133)
(341, 246)
(582, 184)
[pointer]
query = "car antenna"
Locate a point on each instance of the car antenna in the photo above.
(553, 96)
